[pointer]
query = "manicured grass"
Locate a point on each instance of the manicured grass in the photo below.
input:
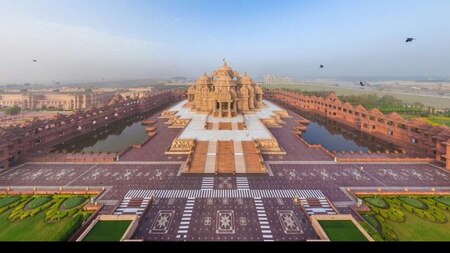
(39, 201)
(444, 200)
(419, 229)
(31, 229)
(414, 202)
(8, 200)
(342, 230)
(73, 202)
(371, 220)
(107, 231)
(378, 202)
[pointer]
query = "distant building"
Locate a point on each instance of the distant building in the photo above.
(271, 79)
(63, 100)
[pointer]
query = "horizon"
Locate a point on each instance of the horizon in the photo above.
(106, 41)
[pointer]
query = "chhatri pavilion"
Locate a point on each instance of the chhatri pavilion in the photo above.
(225, 121)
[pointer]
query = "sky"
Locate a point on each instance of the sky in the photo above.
(106, 40)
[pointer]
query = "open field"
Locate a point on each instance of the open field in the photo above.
(437, 102)
(107, 230)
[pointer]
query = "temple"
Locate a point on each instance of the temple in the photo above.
(224, 123)
(225, 93)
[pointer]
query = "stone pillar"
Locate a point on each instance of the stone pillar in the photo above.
(220, 109)
(447, 154)
(438, 148)
(229, 109)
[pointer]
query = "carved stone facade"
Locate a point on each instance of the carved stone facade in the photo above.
(225, 93)
(269, 146)
(181, 146)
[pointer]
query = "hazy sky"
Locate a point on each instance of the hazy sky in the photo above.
(82, 40)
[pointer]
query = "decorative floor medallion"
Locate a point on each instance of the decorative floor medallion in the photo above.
(162, 222)
(289, 222)
(225, 222)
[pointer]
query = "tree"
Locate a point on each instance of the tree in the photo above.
(12, 110)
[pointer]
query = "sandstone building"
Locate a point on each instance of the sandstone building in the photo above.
(225, 93)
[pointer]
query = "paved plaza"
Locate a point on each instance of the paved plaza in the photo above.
(209, 207)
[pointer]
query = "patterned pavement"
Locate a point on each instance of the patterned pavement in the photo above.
(208, 207)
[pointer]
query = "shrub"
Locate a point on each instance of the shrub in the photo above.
(3, 209)
(407, 207)
(69, 229)
(24, 215)
(419, 212)
(430, 217)
(442, 206)
(72, 212)
(373, 233)
(379, 218)
(389, 235)
(35, 211)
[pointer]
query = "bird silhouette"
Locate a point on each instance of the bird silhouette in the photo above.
(361, 83)
(34, 60)
(321, 66)
(409, 40)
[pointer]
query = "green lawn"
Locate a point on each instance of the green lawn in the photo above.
(6, 200)
(444, 200)
(73, 202)
(107, 231)
(414, 202)
(378, 202)
(419, 229)
(342, 230)
(30, 229)
(39, 201)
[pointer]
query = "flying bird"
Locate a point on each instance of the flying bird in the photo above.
(409, 39)
(321, 66)
(34, 60)
(364, 83)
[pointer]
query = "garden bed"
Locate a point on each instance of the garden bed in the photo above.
(341, 230)
(414, 202)
(108, 230)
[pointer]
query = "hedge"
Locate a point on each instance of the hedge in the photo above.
(373, 233)
(69, 229)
